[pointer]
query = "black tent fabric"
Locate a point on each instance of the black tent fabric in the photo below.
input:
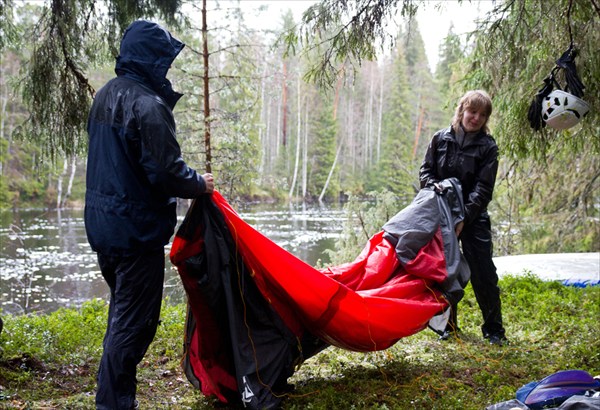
(241, 333)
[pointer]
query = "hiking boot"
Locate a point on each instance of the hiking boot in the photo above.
(498, 340)
(449, 333)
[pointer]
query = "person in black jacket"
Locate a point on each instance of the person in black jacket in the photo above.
(135, 172)
(467, 151)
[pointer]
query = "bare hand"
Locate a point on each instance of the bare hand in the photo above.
(459, 227)
(210, 183)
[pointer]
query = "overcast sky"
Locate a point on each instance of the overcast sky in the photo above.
(434, 22)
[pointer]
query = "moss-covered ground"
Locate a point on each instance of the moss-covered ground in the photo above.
(50, 361)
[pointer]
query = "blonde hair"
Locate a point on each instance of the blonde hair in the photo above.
(474, 99)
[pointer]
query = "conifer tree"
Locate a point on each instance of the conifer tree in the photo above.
(549, 181)
(450, 53)
(394, 170)
(71, 36)
(322, 150)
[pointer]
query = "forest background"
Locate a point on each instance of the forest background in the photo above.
(336, 107)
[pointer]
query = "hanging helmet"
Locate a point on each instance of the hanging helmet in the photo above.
(562, 110)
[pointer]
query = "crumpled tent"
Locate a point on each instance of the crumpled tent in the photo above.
(256, 311)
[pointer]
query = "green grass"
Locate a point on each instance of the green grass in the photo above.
(49, 361)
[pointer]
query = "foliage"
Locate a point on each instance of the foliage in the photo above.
(395, 169)
(237, 121)
(516, 47)
(69, 37)
(233, 84)
(552, 206)
(551, 327)
(8, 30)
(365, 217)
(360, 26)
(548, 185)
(27, 180)
(321, 152)
(427, 111)
(124, 11)
(57, 97)
(67, 336)
(6, 196)
(385, 110)
(451, 52)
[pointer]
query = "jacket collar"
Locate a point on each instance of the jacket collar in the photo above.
(479, 139)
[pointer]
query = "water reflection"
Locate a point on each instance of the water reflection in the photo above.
(302, 230)
(46, 262)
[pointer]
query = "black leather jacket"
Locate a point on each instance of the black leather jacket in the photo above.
(475, 164)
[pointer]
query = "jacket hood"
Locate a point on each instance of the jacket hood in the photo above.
(146, 54)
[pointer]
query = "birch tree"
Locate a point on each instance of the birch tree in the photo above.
(298, 141)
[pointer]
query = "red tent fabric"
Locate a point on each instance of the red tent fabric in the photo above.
(256, 311)
(366, 305)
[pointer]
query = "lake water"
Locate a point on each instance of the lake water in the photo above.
(46, 262)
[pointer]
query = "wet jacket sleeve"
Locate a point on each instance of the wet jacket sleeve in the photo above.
(427, 173)
(160, 152)
(481, 195)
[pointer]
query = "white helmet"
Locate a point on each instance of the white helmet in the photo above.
(562, 110)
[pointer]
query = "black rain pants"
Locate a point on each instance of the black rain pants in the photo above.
(477, 247)
(136, 286)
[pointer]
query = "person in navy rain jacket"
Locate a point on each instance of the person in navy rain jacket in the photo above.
(467, 151)
(135, 172)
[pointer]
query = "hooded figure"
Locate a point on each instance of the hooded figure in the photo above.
(134, 174)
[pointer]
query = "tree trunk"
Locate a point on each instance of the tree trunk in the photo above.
(293, 185)
(205, 56)
(284, 106)
(262, 131)
(59, 184)
(418, 132)
(337, 154)
(305, 152)
(4, 96)
(71, 179)
(369, 121)
(270, 152)
(278, 133)
(380, 119)
(351, 142)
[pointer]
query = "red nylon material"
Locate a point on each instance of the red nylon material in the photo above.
(365, 305)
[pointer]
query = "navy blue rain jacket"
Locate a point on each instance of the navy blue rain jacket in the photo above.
(135, 170)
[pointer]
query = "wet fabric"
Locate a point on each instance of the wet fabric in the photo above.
(256, 310)
(237, 348)
(136, 284)
(413, 227)
(135, 169)
(475, 164)
(477, 246)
